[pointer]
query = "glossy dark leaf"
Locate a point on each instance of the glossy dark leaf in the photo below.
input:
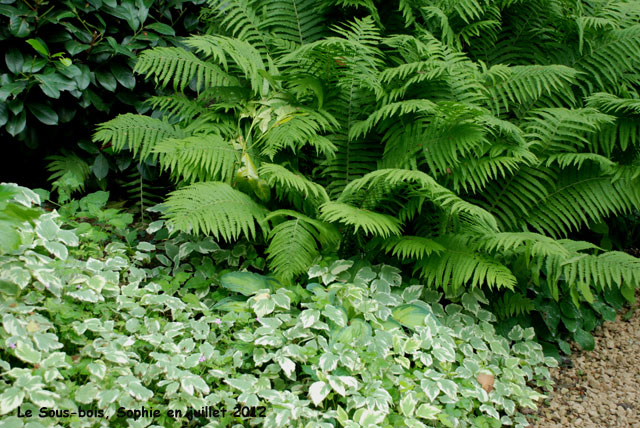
(107, 80)
(33, 65)
(4, 115)
(162, 29)
(14, 60)
(19, 27)
(51, 84)
(124, 75)
(43, 113)
(16, 124)
(100, 167)
(10, 89)
(39, 46)
(584, 339)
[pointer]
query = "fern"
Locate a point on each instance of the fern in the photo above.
(412, 247)
(180, 66)
(214, 208)
(69, 174)
(458, 266)
(462, 138)
(294, 243)
(298, 21)
(136, 133)
(290, 181)
(370, 222)
(198, 158)
(525, 84)
(512, 304)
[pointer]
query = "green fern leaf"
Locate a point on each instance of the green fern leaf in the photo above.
(198, 158)
(213, 208)
(370, 222)
(136, 132)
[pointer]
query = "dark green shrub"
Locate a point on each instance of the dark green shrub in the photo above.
(66, 65)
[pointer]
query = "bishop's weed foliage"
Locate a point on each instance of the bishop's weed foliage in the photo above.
(423, 134)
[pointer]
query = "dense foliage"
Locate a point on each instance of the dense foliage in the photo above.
(66, 65)
(424, 132)
(382, 213)
(93, 320)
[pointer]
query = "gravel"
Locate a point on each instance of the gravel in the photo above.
(600, 388)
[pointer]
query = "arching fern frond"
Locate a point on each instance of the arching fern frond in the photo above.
(512, 304)
(198, 158)
(411, 247)
(370, 222)
(298, 128)
(577, 159)
(136, 132)
(287, 180)
(563, 130)
(609, 59)
(459, 266)
(609, 103)
(69, 174)
(178, 105)
(609, 269)
(298, 21)
(426, 185)
(293, 245)
(167, 64)
(214, 208)
(579, 197)
(525, 84)
(238, 18)
(243, 54)
(399, 108)
(533, 244)
(510, 200)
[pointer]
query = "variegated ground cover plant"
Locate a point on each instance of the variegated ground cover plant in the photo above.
(93, 322)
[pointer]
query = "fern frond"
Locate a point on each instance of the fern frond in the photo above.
(361, 128)
(213, 208)
(198, 158)
(609, 103)
(411, 247)
(525, 84)
(69, 174)
(298, 21)
(510, 200)
(440, 195)
(579, 197)
(577, 159)
(297, 129)
(243, 54)
(370, 222)
(459, 266)
(512, 304)
(607, 61)
(238, 18)
(136, 133)
(563, 130)
(287, 180)
(178, 105)
(472, 175)
(293, 245)
(166, 64)
(533, 243)
(609, 269)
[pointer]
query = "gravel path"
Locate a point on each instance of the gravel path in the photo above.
(599, 388)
